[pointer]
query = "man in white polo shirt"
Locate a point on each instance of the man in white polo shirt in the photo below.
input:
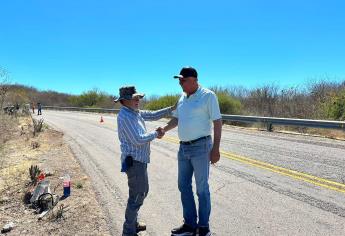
(196, 110)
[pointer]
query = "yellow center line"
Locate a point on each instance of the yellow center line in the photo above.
(280, 170)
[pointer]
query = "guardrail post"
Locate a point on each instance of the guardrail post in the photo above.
(269, 127)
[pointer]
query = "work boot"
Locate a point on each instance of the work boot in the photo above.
(183, 230)
(141, 226)
(204, 231)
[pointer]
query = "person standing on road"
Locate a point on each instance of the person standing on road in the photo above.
(135, 152)
(196, 110)
(39, 109)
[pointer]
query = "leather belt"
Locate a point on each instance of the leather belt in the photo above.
(195, 140)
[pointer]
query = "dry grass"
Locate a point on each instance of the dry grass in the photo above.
(14, 168)
(7, 127)
(334, 134)
(327, 133)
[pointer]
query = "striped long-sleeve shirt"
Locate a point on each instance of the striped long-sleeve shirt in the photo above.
(133, 136)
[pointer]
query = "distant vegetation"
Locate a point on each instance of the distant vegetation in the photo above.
(155, 103)
(23, 94)
(334, 107)
(322, 99)
(92, 98)
(228, 104)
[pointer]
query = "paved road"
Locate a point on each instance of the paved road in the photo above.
(265, 184)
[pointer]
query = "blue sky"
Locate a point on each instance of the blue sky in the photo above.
(73, 46)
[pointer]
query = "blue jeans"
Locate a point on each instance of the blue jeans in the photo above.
(195, 158)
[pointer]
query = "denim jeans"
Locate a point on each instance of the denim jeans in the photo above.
(138, 185)
(195, 158)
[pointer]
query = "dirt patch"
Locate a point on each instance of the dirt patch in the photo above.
(82, 214)
(324, 133)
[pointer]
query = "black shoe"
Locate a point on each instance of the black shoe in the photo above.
(183, 230)
(204, 231)
(140, 226)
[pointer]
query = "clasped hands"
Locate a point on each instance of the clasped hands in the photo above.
(214, 155)
(160, 132)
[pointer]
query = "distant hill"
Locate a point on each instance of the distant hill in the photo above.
(22, 94)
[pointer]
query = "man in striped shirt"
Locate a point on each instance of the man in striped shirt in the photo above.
(135, 152)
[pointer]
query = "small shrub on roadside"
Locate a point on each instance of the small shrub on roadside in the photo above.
(335, 107)
(79, 185)
(38, 125)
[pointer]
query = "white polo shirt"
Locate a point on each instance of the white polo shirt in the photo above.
(196, 113)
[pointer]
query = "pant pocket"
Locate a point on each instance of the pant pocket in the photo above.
(140, 179)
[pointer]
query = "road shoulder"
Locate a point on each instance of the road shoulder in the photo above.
(82, 214)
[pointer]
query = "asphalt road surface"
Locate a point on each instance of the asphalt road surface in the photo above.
(264, 184)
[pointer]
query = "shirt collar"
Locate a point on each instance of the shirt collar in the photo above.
(130, 110)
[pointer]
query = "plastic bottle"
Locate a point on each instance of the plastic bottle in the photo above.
(66, 185)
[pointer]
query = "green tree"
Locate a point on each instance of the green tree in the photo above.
(335, 107)
(90, 98)
(228, 104)
(161, 102)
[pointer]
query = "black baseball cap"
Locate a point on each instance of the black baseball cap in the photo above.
(187, 72)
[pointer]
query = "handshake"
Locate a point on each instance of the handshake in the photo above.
(160, 132)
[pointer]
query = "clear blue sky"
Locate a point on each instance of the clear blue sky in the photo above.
(72, 45)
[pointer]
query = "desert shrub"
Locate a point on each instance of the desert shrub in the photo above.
(161, 102)
(335, 106)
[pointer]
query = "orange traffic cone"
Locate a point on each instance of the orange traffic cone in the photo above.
(101, 119)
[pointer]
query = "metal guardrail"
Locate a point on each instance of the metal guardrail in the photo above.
(100, 110)
(269, 121)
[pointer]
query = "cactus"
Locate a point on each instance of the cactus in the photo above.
(34, 172)
(38, 125)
